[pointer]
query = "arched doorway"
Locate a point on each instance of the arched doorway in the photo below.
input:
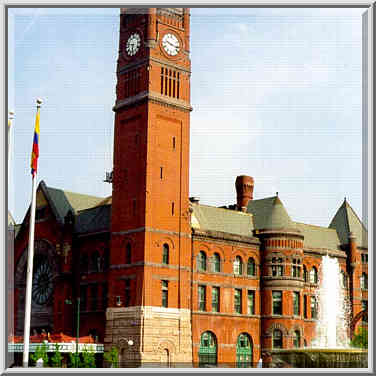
(165, 358)
(208, 350)
(244, 351)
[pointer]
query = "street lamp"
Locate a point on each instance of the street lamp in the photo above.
(68, 301)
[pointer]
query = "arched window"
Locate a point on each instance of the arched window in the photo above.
(364, 281)
(296, 339)
(166, 254)
(313, 275)
(207, 353)
(251, 267)
(128, 254)
(305, 274)
(244, 351)
(202, 261)
(238, 265)
(216, 262)
(277, 339)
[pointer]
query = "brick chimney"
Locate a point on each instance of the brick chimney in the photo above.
(244, 191)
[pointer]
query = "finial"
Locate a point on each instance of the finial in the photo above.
(276, 193)
(39, 102)
(11, 114)
(344, 199)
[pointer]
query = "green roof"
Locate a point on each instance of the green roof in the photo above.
(230, 221)
(269, 213)
(318, 237)
(346, 221)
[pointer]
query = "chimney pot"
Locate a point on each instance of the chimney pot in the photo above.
(244, 191)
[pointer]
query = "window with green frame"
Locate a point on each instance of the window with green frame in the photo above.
(244, 351)
(238, 266)
(202, 298)
(216, 263)
(277, 302)
(215, 299)
(277, 339)
(296, 339)
(166, 254)
(208, 350)
(314, 311)
(202, 261)
(165, 294)
(296, 303)
(238, 300)
(251, 267)
(251, 302)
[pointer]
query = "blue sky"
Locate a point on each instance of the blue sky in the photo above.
(276, 94)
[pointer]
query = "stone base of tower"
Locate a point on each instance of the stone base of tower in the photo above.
(162, 337)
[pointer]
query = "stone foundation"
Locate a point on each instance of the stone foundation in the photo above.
(162, 337)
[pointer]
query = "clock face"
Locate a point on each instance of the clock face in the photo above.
(133, 44)
(171, 44)
(42, 280)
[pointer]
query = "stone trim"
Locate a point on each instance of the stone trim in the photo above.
(232, 275)
(170, 65)
(143, 263)
(224, 236)
(323, 252)
(273, 326)
(238, 315)
(152, 96)
(163, 278)
(151, 229)
(225, 285)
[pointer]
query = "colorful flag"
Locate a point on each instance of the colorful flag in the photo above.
(35, 151)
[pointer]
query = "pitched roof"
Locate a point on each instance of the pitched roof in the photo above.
(318, 237)
(93, 220)
(346, 221)
(224, 220)
(62, 201)
(269, 213)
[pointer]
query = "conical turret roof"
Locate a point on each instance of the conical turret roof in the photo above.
(269, 214)
(346, 221)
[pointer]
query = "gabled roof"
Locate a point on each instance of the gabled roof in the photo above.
(229, 221)
(269, 213)
(346, 221)
(92, 220)
(62, 201)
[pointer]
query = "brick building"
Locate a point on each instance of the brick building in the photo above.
(186, 282)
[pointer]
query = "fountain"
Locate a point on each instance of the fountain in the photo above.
(331, 345)
(333, 308)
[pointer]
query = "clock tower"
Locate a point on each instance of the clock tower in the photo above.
(150, 256)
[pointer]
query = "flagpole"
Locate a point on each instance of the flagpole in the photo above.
(29, 273)
(11, 117)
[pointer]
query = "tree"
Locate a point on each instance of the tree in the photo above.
(57, 358)
(112, 357)
(40, 353)
(360, 339)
